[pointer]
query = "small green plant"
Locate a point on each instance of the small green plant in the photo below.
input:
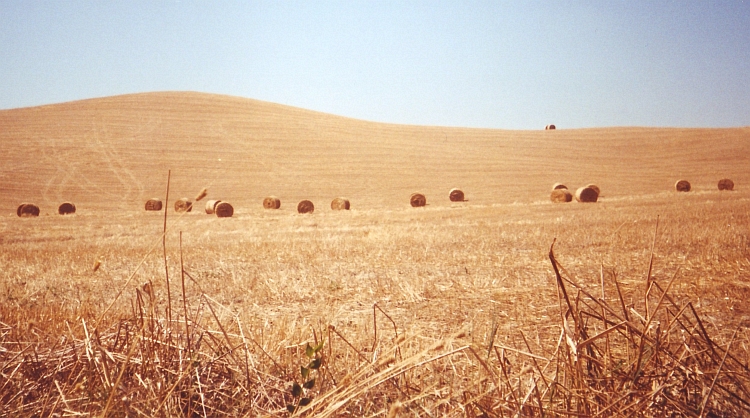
(301, 393)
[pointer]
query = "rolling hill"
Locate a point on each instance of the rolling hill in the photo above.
(113, 153)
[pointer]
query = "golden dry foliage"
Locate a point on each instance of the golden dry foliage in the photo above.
(453, 311)
(305, 206)
(201, 194)
(619, 348)
(340, 203)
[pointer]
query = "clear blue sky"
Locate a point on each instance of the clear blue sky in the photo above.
(494, 64)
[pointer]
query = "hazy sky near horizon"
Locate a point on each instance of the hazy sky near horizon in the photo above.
(493, 64)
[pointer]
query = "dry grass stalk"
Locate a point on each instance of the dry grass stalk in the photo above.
(305, 206)
(66, 208)
(271, 202)
(603, 363)
(561, 196)
(557, 186)
(456, 195)
(27, 210)
(211, 206)
(340, 203)
(183, 205)
(682, 186)
(417, 200)
(659, 375)
(154, 204)
(201, 194)
(224, 210)
(726, 184)
(586, 195)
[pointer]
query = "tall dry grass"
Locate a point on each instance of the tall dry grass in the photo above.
(438, 312)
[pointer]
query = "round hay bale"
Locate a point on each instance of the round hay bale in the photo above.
(586, 195)
(549, 127)
(305, 206)
(595, 187)
(558, 186)
(224, 210)
(726, 184)
(340, 203)
(153, 204)
(682, 186)
(27, 210)
(561, 196)
(203, 193)
(183, 205)
(271, 202)
(417, 200)
(456, 195)
(66, 208)
(18, 210)
(211, 206)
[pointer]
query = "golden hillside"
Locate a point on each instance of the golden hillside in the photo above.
(114, 153)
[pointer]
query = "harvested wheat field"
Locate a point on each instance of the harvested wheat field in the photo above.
(639, 308)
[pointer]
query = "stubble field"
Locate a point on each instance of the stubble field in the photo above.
(452, 309)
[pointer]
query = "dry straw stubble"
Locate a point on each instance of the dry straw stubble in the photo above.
(456, 195)
(726, 184)
(224, 210)
(66, 208)
(340, 203)
(271, 202)
(586, 195)
(211, 206)
(561, 196)
(201, 194)
(305, 206)
(682, 186)
(183, 205)
(417, 200)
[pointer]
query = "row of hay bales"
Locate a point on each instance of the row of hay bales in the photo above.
(307, 206)
(419, 200)
(684, 185)
(213, 207)
(27, 210)
(586, 194)
(223, 209)
(590, 192)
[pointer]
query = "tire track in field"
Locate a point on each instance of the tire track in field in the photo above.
(131, 187)
(84, 167)
(52, 156)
